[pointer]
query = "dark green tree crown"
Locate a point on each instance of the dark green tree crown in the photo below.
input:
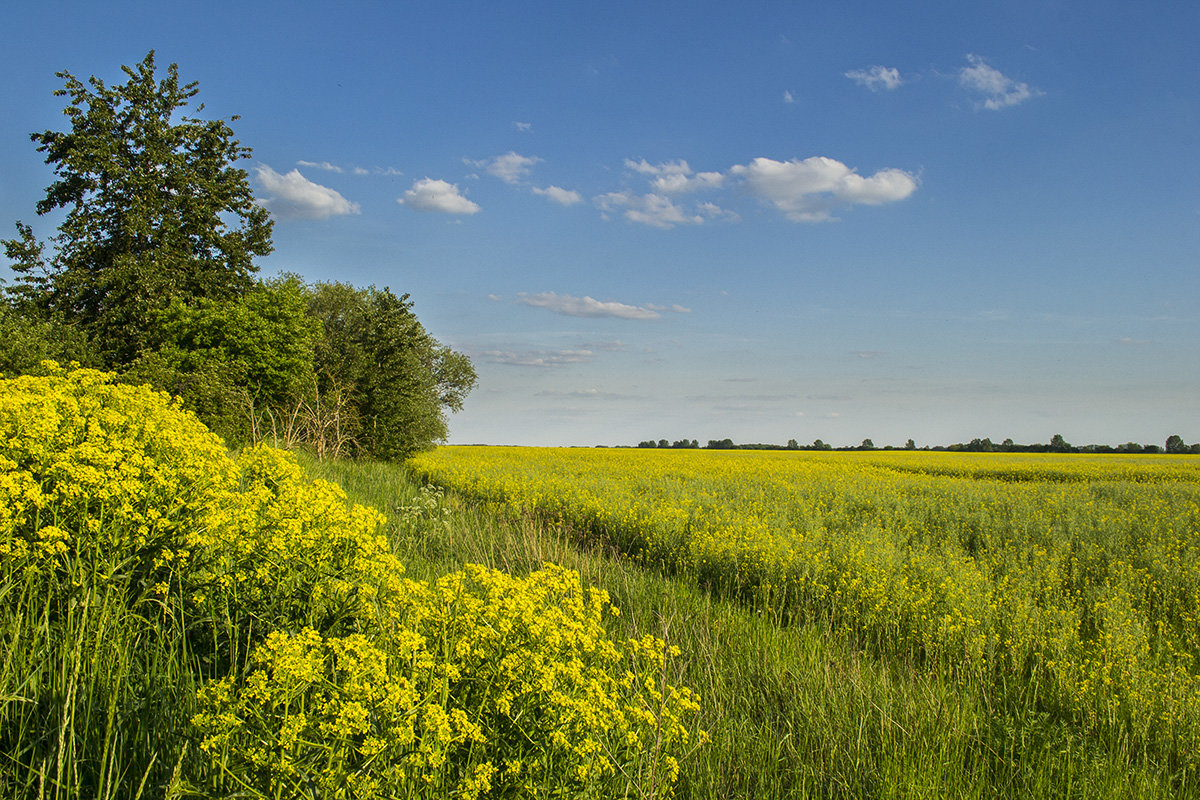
(156, 209)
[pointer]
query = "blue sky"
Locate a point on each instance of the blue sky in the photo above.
(754, 220)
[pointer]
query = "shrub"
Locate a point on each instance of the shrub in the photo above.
(161, 593)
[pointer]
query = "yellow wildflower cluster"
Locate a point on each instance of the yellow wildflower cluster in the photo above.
(489, 683)
(100, 471)
(1074, 577)
(323, 670)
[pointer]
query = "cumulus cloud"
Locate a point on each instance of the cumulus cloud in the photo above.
(675, 177)
(353, 170)
(714, 211)
(585, 306)
(437, 196)
(510, 167)
(564, 197)
(876, 77)
(808, 190)
(657, 208)
(643, 166)
(647, 209)
(996, 89)
(679, 184)
(293, 196)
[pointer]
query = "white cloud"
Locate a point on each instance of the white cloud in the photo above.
(611, 346)
(714, 211)
(649, 209)
(438, 196)
(586, 394)
(523, 126)
(680, 184)
(876, 77)
(675, 177)
(510, 167)
(585, 306)
(325, 165)
(353, 170)
(998, 90)
(788, 97)
(294, 196)
(885, 186)
(565, 197)
(536, 358)
(808, 190)
(679, 167)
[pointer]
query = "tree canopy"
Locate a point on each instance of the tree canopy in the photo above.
(156, 209)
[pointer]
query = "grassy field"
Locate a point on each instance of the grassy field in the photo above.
(889, 624)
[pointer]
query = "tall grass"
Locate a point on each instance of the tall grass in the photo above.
(794, 707)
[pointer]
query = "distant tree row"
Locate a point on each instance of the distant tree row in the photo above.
(1057, 444)
(1174, 444)
(151, 275)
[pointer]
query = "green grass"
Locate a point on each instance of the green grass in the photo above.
(793, 709)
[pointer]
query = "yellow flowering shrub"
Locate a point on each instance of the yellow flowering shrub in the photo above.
(113, 475)
(291, 551)
(126, 523)
(101, 481)
(488, 685)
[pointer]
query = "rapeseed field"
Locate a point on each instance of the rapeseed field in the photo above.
(1063, 585)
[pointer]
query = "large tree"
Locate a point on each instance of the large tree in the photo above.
(156, 210)
(399, 380)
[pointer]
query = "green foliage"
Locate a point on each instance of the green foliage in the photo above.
(26, 340)
(156, 211)
(401, 380)
(241, 363)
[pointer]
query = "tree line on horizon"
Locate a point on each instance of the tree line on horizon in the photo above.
(1173, 445)
(151, 276)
